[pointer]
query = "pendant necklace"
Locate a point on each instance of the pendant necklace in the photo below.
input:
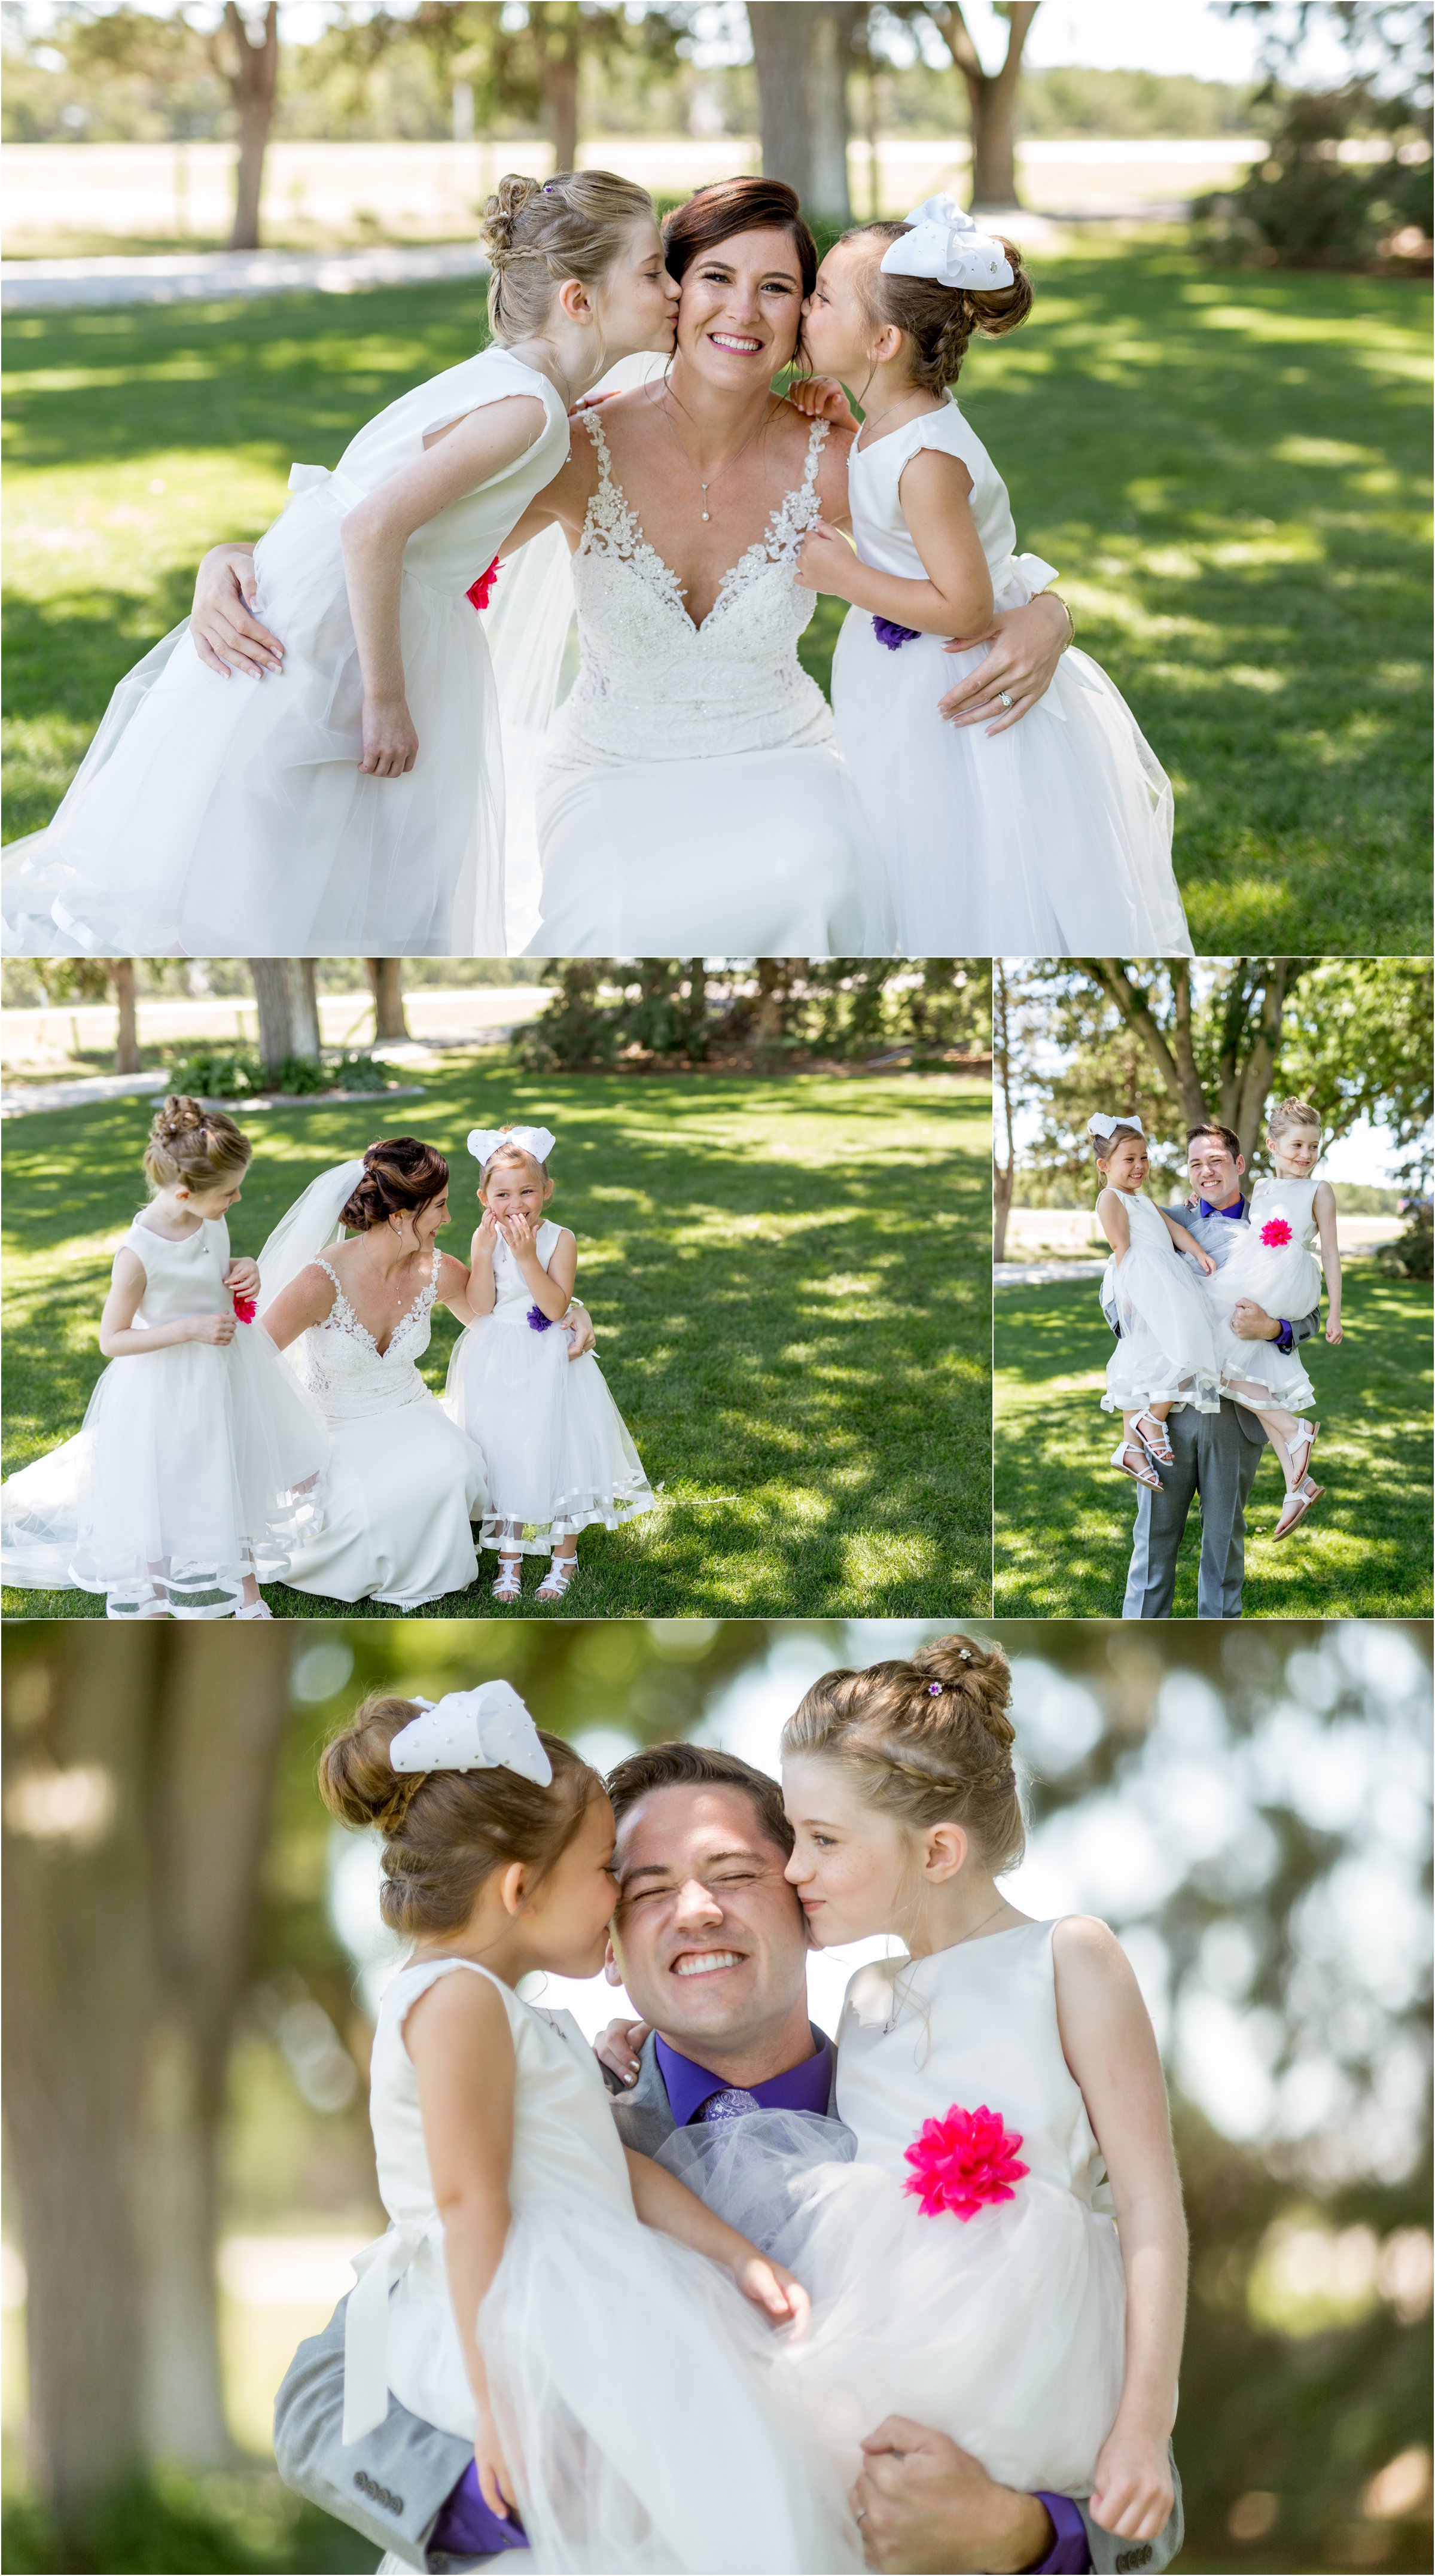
(722, 469)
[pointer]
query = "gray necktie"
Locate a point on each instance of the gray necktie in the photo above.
(732, 2105)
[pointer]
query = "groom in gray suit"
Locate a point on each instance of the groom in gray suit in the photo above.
(1217, 1454)
(711, 1944)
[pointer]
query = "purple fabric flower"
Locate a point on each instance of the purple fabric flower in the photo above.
(538, 1322)
(889, 633)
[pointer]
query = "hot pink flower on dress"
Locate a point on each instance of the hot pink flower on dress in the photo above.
(963, 2163)
(481, 591)
(245, 1310)
(1274, 1233)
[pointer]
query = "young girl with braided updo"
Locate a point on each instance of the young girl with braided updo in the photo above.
(613, 2350)
(354, 802)
(1044, 831)
(199, 1453)
(1012, 2155)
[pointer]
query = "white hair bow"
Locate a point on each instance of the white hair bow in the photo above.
(487, 1729)
(1103, 1126)
(948, 247)
(484, 1142)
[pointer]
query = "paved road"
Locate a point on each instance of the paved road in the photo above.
(219, 276)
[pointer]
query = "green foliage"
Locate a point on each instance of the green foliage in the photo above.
(1412, 1254)
(177, 2523)
(235, 1073)
(844, 1007)
(1064, 1514)
(1304, 207)
(790, 1283)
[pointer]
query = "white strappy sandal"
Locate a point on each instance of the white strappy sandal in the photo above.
(1158, 1449)
(509, 1586)
(561, 1570)
(1142, 1475)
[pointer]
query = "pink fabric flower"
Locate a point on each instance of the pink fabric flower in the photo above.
(481, 591)
(963, 2162)
(245, 1310)
(1274, 1233)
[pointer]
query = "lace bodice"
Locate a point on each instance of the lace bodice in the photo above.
(346, 1372)
(183, 1276)
(651, 684)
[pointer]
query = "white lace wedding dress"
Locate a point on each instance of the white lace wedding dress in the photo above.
(691, 800)
(405, 1483)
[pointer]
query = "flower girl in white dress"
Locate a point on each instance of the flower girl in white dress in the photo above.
(558, 1454)
(613, 2351)
(1275, 1264)
(1005, 2258)
(1166, 1354)
(1048, 836)
(199, 1451)
(354, 801)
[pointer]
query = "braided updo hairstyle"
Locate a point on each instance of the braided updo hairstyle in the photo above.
(938, 320)
(929, 1741)
(198, 1146)
(537, 232)
(445, 1832)
(401, 1175)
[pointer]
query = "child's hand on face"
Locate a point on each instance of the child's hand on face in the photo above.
(243, 1277)
(826, 563)
(485, 1238)
(772, 2289)
(822, 398)
(212, 1328)
(519, 1234)
(1133, 2494)
(1334, 1330)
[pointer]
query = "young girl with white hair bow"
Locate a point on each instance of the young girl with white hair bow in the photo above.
(1048, 831)
(1166, 1353)
(557, 1451)
(605, 2342)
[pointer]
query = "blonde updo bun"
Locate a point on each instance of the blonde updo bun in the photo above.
(445, 1832)
(198, 1146)
(537, 233)
(931, 1740)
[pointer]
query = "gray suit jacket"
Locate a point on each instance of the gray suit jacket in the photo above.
(1217, 1455)
(392, 2484)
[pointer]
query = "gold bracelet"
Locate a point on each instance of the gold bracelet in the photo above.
(1070, 620)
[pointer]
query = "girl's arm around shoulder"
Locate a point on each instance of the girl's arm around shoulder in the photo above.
(1323, 1210)
(1113, 1220)
(307, 1300)
(1110, 2047)
(458, 458)
(1185, 1241)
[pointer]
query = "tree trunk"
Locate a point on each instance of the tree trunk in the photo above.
(1004, 1176)
(831, 125)
(386, 983)
(560, 44)
(127, 1045)
(140, 1773)
(285, 990)
(782, 44)
(1174, 1061)
(991, 101)
(252, 80)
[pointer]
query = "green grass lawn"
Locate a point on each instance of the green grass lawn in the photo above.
(790, 1282)
(1064, 1515)
(1229, 470)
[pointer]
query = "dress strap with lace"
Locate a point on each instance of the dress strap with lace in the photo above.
(611, 527)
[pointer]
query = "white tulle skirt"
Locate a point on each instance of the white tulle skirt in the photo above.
(1053, 839)
(752, 854)
(218, 818)
(196, 1466)
(1167, 1351)
(402, 1492)
(1285, 1280)
(558, 1454)
(645, 2410)
(1005, 2331)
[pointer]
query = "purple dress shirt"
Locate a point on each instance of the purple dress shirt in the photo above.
(807, 2087)
(1237, 1213)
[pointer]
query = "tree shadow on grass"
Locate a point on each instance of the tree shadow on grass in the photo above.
(850, 1431)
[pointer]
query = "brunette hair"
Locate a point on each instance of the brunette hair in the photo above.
(1213, 1127)
(732, 206)
(1103, 1147)
(929, 1741)
(198, 1146)
(537, 232)
(938, 320)
(698, 1766)
(445, 1832)
(401, 1175)
(1292, 1113)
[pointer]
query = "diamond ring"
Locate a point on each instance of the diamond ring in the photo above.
(1005, 696)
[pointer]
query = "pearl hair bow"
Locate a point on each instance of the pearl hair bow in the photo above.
(487, 1729)
(484, 1142)
(1103, 1126)
(948, 247)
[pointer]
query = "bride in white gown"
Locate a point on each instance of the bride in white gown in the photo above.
(405, 1484)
